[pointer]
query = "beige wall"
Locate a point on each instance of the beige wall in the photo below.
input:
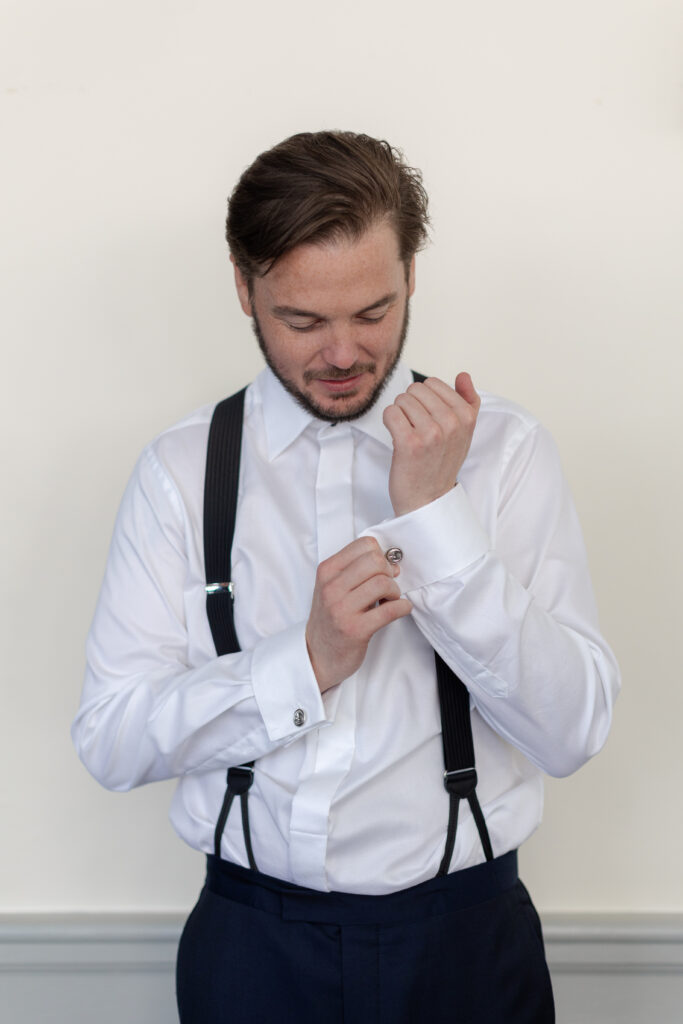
(550, 135)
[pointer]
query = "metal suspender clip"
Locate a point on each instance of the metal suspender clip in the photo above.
(461, 782)
(221, 588)
(240, 778)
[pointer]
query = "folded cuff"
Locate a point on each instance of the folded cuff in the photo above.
(436, 541)
(285, 687)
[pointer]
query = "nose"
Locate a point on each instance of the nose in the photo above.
(340, 348)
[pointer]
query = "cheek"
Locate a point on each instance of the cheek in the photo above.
(386, 340)
(282, 346)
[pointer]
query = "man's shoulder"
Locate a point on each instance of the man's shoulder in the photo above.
(505, 430)
(506, 414)
(178, 452)
(188, 433)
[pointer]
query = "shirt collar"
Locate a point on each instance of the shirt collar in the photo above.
(284, 419)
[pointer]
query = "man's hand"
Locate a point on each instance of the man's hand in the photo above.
(431, 426)
(355, 596)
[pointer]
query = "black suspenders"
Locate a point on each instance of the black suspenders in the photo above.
(220, 508)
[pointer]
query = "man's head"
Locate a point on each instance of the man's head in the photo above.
(318, 186)
(323, 231)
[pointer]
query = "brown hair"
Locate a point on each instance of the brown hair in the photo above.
(315, 186)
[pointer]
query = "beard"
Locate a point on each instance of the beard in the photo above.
(351, 412)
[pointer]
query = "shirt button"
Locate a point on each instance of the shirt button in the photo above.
(393, 555)
(299, 716)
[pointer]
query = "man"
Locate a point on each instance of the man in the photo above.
(379, 520)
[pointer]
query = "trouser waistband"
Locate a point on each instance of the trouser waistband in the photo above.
(455, 891)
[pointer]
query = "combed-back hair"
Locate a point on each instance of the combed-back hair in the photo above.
(318, 186)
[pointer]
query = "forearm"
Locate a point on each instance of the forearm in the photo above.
(545, 685)
(145, 723)
(157, 702)
(500, 588)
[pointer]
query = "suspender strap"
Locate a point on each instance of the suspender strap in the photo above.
(220, 511)
(460, 776)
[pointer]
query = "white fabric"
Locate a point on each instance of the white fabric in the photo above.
(353, 799)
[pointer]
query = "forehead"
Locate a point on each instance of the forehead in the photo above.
(337, 273)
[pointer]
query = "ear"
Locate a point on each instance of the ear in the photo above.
(242, 287)
(411, 277)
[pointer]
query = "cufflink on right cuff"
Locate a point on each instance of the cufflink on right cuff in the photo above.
(393, 555)
(299, 717)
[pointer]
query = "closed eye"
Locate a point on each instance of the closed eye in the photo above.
(372, 319)
(303, 328)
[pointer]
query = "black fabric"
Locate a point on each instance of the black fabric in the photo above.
(220, 512)
(299, 903)
(466, 948)
(221, 481)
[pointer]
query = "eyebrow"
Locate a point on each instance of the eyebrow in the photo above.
(293, 311)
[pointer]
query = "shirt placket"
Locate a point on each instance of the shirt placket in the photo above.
(329, 749)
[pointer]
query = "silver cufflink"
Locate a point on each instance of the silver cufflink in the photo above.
(393, 555)
(299, 716)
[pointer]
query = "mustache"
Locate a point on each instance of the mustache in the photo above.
(335, 373)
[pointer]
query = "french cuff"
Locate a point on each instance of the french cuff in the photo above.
(285, 688)
(433, 542)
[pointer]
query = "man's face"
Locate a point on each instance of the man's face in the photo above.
(331, 319)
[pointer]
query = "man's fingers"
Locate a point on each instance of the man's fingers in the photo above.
(369, 593)
(397, 423)
(436, 401)
(466, 390)
(358, 550)
(387, 612)
(421, 408)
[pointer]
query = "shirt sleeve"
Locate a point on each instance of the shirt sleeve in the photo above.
(151, 708)
(512, 610)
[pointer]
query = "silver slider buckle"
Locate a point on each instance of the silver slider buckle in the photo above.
(221, 588)
(461, 781)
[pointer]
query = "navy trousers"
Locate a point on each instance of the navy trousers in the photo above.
(464, 949)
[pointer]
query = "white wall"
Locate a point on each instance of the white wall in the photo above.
(550, 135)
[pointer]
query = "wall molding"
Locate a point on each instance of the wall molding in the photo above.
(80, 942)
(594, 943)
(59, 967)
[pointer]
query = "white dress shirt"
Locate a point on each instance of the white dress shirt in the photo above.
(352, 799)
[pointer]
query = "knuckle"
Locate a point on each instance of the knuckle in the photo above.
(385, 586)
(325, 571)
(379, 561)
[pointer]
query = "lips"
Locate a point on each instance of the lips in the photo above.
(340, 386)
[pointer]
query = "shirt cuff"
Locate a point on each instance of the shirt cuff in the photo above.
(436, 541)
(285, 688)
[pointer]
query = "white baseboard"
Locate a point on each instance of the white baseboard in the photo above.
(78, 969)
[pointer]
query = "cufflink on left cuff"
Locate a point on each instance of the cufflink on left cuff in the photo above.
(393, 555)
(299, 717)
